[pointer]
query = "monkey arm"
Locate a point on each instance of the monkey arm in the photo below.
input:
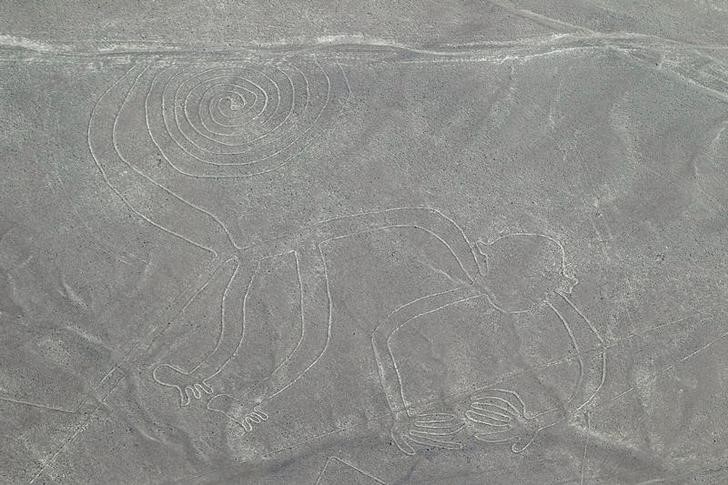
(193, 383)
(388, 373)
(590, 355)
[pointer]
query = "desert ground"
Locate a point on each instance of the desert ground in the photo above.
(364, 242)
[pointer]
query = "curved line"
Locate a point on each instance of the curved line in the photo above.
(300, 299)
(406, 322)
(431, 210)
(601, 346)
(209, 98)
(160, 186)
(104, 174)
(412, 226)
(272, 168)
(514, 394)
(222, 320)
(328, 331)
(202, 82)
(192, 125)
(218, 343)
(562, 250)
(579, 359)
(197, 147)
(297, 138)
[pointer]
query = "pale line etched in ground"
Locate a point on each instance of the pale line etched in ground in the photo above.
(424, 219)
(345, 463)
(269, 150)
(121, 193)
(496, 381)
(586, 446)
(434, 303)
(419, 226)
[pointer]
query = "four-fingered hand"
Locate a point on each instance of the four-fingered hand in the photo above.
(500, 417)
(188, 386)
(246, 415)
(434, 430)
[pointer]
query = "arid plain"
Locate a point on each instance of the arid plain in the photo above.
(364, 243)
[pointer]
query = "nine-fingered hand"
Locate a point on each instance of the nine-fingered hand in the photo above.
(188, 386)
(433, 430)
(499, 416)
(246, 415)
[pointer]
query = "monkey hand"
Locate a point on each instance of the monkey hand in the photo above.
(434, 430)
(499, 417)
(247, 415)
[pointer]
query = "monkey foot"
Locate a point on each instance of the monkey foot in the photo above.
(247, 415)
